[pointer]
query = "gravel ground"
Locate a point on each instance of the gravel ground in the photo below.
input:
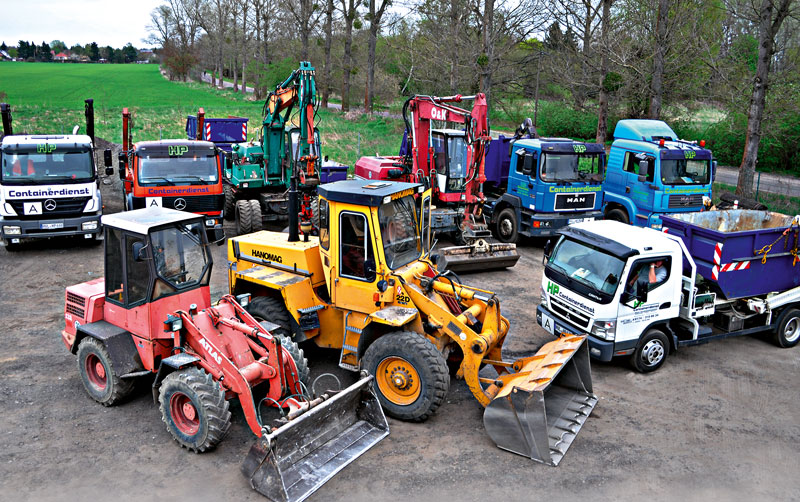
(717, 422)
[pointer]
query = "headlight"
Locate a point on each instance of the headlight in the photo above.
(173, 323)
(12, 230)
(604, 329)
(89, 225)
(243, 299)
(211, 223)
(245, 185)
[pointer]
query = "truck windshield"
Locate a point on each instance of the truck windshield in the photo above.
(178, 170)
(42, 168)
(180, 257)
(585, 269)
(572, 167)
(684, 172)
(398, 222)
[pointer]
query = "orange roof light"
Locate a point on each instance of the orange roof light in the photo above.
(702, 143)
(661, 142)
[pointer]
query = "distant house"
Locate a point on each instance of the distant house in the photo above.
(74, 57)
(61, 57)
(5, 55)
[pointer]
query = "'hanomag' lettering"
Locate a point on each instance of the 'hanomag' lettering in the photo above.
(267, 256)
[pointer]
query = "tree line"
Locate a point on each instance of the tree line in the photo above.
(605, 59)
(28, 51)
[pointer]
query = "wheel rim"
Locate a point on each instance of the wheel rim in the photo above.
(96, 372)
(398, 380)
(184, 413)
(653, 352)
(506, 228)
(792, 330)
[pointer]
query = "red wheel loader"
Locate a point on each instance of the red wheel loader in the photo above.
(152, 315)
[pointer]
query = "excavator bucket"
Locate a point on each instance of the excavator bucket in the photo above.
(292, 462)
(539, 410)
(483, 255)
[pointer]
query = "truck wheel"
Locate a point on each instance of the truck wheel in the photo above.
(98, 376)
(506, 227)
(194, 408)
(248, 216)
(11, 247)
(411, 375)
(315, 212)
(788, 332)
(230, 202)
(303, 373)
(617, 215)
(651, 352)
(265, 308)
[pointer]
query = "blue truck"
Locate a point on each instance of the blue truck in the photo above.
(535, 186)
(651, 172)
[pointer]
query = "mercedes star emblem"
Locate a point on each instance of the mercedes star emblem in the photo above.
(180, 204)
(50, 204)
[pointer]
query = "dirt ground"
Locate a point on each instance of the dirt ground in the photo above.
(717, 422)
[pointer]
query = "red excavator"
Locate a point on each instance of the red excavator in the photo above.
(451, 161)
(152, 316)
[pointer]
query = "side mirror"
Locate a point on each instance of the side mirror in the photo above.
(641, 291)
(122, 160)
(713, 169)
(527, 164)
(228, 162)
(107, 159)
(139, 253)
(644, 169)
(548, 248)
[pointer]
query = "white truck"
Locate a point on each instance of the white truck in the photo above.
(49, 184)
(597, 281)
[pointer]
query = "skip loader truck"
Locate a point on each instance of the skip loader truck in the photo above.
(642, 294)
(151, 316)
(369, 288)
(49, 184)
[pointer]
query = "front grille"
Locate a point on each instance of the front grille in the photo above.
(581, 200)
(569, 313)
(196, 203)
(66, 207)
(76, 305)
(685, 200)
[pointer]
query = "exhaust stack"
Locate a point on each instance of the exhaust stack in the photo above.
(6, 112)
(88, 111)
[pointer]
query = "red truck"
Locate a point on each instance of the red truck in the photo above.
(176, 174)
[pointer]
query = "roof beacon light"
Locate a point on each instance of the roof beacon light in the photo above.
(702, 143)
(661, 142)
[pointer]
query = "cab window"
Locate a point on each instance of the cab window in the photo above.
(356, 256)
(115, 287)
(652, 271)
(632, 164)
(138, 271)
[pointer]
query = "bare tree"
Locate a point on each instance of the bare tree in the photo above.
(602, 98)
(660, 48)
(375, 16)
(349, 9)
(326, 72)
(769, 17)
(306, 15)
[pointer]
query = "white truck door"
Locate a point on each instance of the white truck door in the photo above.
(634, 316)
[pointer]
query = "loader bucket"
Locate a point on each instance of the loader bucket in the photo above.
(482, 255)
(293, 461)
(539, 410)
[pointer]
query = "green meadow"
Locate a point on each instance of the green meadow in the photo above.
(47, 98)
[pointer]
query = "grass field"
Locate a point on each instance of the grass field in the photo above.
(775, 202)
(48, 98)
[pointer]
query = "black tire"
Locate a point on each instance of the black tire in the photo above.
(264, 308)
(788, 332)
(98, 376)
(230, 202)
(11, 247)
(256, 223)
(506, 227)
(248, 216)
(194, 408)
(416, 353)
(315, 212)
(651, 352)
(617, 215)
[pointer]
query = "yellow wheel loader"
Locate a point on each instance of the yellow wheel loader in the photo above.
(368, 287)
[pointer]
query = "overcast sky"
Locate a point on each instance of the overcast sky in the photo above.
(107, 22)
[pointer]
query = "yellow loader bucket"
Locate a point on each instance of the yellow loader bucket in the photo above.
(483, 255)
(293, 461)
(538, 411)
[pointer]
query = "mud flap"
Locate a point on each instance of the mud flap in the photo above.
(293, 461)
(540, 410)
(482, 255)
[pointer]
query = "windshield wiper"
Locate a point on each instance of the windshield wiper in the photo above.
(560, 269)
(191, 176)
(150, 179)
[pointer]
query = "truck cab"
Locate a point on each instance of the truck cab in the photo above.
(549, 183)
(651, 172)
(49, 187)
(175, 174)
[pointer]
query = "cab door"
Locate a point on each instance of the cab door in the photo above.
(353, 263)
(639, 190)
(633, 316)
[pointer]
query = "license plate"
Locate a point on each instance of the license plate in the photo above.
(548, 323)
(51, 226)
(575, 220)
